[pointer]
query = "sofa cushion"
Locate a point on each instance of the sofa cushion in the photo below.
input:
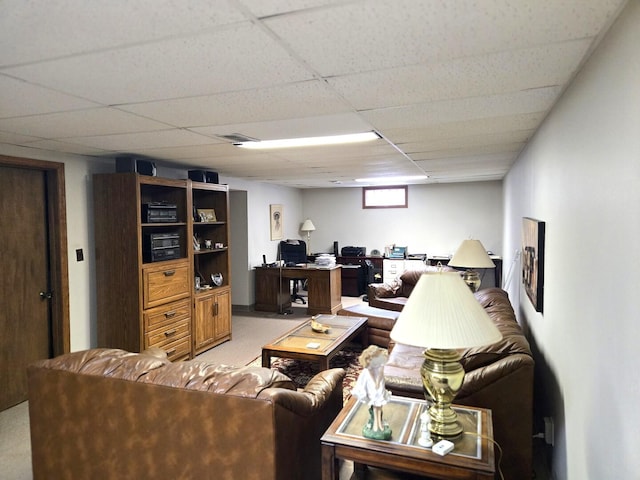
(149, 367)
(229, 380)
(108, 362)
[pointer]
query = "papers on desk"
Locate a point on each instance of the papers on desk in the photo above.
(326, 260)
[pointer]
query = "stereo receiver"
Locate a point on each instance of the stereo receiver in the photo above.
(160, 246)
(159, 212)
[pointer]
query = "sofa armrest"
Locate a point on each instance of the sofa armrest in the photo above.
(383, 290)
(485, 377)
(323, 389)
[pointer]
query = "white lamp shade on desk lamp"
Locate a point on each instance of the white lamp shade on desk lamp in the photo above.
(308, 227)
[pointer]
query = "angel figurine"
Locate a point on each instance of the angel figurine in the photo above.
(370, 388)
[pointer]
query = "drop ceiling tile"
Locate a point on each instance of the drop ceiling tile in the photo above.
(58, 146)
(295, 127)
(378, 34)
(236, 58)
(263, 8)
(467, 142)
(452, 130)
(29, 26)
(294, 100)
(77, 123)
(452, 163)
(186, 152)
(511, 148)
(508, 71)
(125, 142)
(19, 98)
(539, 100)
(16, 138)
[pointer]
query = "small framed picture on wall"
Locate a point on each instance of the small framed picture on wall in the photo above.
(533, 261)
(275, 216)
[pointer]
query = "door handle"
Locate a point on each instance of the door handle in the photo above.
(46, 295)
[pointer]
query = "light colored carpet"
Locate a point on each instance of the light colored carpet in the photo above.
(248, 335)
(15, 443)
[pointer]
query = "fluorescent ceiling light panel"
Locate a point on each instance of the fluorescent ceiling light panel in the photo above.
(311, 141)
(392, 180)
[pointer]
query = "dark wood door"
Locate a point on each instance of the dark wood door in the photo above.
(25, 317)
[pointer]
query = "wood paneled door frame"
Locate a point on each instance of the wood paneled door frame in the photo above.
(59, 266)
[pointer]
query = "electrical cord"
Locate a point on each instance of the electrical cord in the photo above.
(498, 447)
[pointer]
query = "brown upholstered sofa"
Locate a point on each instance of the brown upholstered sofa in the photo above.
(498, 377)
(110, 414)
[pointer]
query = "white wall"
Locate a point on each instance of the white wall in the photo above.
(259, 196)
(581, 175)
(438, 219)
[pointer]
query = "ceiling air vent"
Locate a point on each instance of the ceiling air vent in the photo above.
(238, 138)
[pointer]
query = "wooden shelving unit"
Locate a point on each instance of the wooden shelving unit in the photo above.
(153, 302)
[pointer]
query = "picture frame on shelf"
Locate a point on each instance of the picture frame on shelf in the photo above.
(207, 215)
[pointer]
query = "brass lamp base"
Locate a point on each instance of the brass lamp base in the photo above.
(442, 377)
(472, 279)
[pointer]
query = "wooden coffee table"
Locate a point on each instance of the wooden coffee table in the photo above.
(302, 343)
(472, 457)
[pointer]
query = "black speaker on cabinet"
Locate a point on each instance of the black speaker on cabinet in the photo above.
(335, 249)
(138, 165)
(204, 176)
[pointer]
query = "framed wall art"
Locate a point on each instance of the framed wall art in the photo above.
(275, 215)
(533, 260)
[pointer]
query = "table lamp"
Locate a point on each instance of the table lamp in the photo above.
(308, 227)
(471, 254)
(442, 315)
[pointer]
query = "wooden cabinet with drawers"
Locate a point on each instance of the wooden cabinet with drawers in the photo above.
(146, 264)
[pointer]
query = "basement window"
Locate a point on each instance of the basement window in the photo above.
(384, 197)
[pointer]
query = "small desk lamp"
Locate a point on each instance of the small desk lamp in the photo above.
(308, 227)
(442, 315)
(471, 254)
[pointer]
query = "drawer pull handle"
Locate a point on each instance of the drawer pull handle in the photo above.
(171, 352)
(170, 332)
(170, 314)
(169, 273)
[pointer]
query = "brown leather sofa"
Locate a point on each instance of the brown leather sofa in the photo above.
(498, 377)
(393, 295)
(110, 414)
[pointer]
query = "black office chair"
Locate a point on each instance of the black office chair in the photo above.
(293, 252)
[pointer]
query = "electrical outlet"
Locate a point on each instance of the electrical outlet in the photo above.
(548, 430)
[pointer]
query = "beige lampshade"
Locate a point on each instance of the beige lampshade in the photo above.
(307, 226)
(442, 313)
(471, 254)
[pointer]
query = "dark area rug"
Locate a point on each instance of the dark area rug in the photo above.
(301, 372)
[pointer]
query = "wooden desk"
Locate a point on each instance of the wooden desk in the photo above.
(273, 290)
